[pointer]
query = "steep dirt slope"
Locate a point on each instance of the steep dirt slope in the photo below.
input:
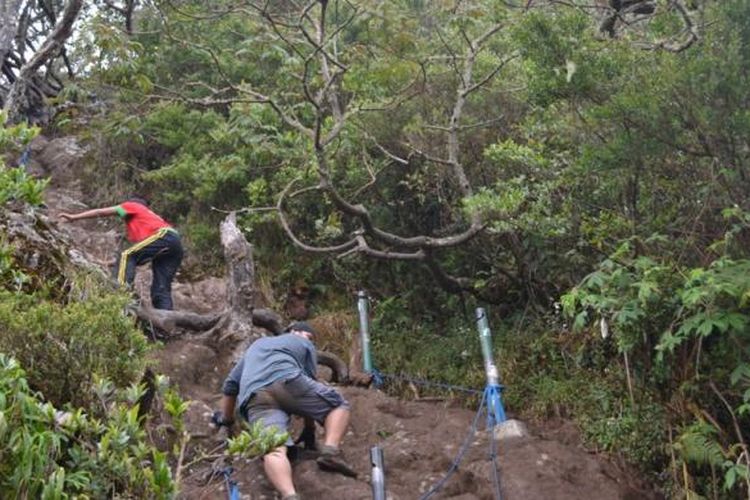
(420, 439)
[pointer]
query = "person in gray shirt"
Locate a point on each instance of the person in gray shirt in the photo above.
(276, 378)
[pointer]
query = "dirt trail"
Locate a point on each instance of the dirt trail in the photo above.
(420, 439)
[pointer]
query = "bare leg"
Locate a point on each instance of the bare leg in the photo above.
(330, 458)
(335, 425)
(279, 471)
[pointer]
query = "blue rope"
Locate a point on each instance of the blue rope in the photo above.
(377, 378)
(232, 489)
(495, 415)
(382, 377)
(491, 397)
(24, 159)
(462, 451)
(495, 467)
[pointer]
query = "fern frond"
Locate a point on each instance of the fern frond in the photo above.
(698, 445)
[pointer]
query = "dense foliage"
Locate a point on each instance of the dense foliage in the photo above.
(65, 347)
(71, 422)
(70, 362)
(51, 454)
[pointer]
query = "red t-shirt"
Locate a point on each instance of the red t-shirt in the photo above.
(140, 222)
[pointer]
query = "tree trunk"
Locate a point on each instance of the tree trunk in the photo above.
(238, 254)
(171, 322)
(15, 100)
(10, 12)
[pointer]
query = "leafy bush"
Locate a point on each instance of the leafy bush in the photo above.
(256, 441)
(11, 278)
(65, 346)
(436, 349)
(17, 185)
(636, 433)
(699, 316)
(49, 454)
(699, 447)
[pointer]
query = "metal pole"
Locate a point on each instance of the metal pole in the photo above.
(496, 412)
(378, 473)
(485, 338)
(364, 329)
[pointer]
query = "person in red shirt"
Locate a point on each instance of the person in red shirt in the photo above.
(154, 240)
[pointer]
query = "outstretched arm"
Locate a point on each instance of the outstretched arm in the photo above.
(229, 390)
(227, 407)
(90, 214)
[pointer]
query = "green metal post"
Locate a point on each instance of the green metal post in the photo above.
(364, 329)
(485, 338)
(495, 410)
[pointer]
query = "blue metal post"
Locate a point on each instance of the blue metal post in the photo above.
(493, 391)
(364, 330)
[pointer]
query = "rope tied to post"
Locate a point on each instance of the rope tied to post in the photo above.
(233, 491)
(491, 396)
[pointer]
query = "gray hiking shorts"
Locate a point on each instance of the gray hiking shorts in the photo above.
(300, 395)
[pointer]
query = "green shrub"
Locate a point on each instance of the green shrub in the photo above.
(437, 349)
(64, 347)
(17, 185)
(255, 440)
(11, 278)
(637, 434)
(48, 454)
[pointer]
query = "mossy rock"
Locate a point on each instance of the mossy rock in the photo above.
(34, 256)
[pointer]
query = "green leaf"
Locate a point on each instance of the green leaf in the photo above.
(668, 342)
(705, 327)
(595, 280)
(581, 320)
(646, 291)
(730, 476)
(741, 372)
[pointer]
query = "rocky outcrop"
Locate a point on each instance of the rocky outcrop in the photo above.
(58, 158)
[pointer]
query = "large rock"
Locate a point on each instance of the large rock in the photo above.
(59, 159)
(36, 249)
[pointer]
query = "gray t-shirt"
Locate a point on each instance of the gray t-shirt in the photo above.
(270, 359)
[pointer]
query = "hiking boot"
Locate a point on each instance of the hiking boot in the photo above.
(331, 460)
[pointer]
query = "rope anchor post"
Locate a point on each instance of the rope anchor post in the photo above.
(493, 391)
(378, 473)
(363, 303)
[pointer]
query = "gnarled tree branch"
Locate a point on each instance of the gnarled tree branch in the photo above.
(51, 47)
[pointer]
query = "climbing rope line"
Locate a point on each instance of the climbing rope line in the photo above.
(461, 452)
(495, 414)
(495, 467)
(379, 378)
(232, 489)
(23, 161)
(491, 399)
(490, 402)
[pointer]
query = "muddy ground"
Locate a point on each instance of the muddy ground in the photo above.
(420, 439)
